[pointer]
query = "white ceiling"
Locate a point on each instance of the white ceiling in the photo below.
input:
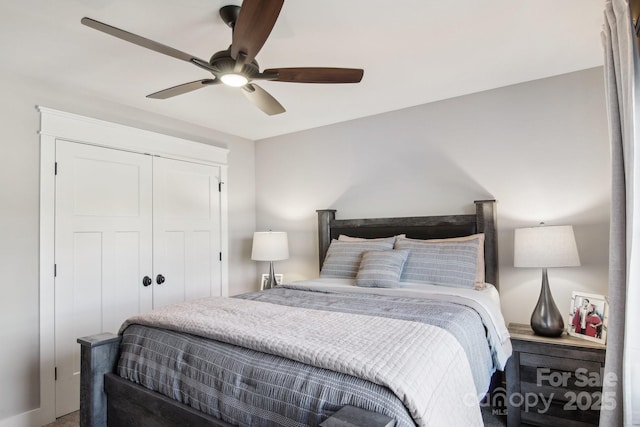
(413, 52)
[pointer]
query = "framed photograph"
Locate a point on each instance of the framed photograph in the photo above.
(588, 317)
(265, 279)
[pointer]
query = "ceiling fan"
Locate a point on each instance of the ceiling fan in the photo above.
(236, 66)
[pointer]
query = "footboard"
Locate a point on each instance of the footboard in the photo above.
(98, 355)
(129, 404)
(107, 399)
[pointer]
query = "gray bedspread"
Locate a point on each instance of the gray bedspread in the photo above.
(461, 321)
(245, 387)
(248, 387)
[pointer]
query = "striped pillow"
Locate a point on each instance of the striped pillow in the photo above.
(381, 269)
(440, 263)
(480, 274)
(343, 258)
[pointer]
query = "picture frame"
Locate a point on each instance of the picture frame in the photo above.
(588, 316)
(265, 278)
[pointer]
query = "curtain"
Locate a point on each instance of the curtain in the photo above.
(621, 74)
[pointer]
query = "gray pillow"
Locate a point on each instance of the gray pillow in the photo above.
(381, 269)
(480, 284)
(443, 263)
(343, 258)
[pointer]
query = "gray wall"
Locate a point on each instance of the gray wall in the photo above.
(19, 208)
(540, 148)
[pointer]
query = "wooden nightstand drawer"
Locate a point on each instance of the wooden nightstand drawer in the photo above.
(548, 419)
(557, 363)
(553, 381)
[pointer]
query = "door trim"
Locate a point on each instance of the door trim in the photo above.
(54, 125)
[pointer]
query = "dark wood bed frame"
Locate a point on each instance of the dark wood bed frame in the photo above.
(107, 397)
(420, 227)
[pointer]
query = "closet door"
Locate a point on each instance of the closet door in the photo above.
(186, 231)
(122, 217)
(103, 250)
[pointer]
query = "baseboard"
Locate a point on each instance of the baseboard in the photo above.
(26, 419)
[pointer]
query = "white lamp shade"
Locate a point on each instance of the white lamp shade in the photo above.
(545, 246)
(270, 246)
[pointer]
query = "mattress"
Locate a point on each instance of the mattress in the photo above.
(247, 387)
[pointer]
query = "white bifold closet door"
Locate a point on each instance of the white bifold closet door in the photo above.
(132, 232)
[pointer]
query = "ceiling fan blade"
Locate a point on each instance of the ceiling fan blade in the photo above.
(183, 88)
(144, 42)
(316, 75)
(262, 99)
(254, 24)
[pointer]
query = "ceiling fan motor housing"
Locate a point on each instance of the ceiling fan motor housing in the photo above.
(225, 63)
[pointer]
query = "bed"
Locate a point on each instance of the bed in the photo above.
(390, 350)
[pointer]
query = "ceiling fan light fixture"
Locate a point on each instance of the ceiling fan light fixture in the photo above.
(236, 66)
(234, 80)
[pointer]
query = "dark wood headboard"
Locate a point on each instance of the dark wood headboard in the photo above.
(418, 227)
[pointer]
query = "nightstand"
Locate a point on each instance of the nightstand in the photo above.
(553, 381)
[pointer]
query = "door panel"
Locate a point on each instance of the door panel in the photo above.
(113, 190)
(201, 261)
(86, 291)
(129, 300)
(103, 247)
(186, 230)
(170, 246)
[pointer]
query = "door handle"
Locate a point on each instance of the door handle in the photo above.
(146, 281)
(159, 279)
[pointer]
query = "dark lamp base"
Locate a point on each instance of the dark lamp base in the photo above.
(546, 319)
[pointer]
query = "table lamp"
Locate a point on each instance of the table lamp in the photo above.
(546, 247)
(270, 246)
